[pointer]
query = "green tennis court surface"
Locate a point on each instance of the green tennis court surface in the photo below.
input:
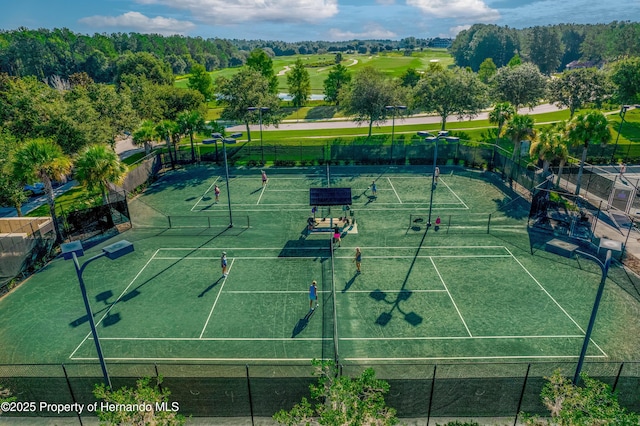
(402, 306)
(471, 290)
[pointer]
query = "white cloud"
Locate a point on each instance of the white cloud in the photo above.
(136, 21)
(223, 12)
(453, 31)
(458, 9)
(371, 31)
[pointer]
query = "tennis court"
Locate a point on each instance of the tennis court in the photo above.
(404, 306)
(422, 295)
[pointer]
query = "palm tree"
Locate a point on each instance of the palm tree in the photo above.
(145, 134)
(584, 128)
(540, 148)
(165, 129)
(98, 165)
(559, 148)
(500, 114)
(519, 128)
(42, 160)
(191, 122)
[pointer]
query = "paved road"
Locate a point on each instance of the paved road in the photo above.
(342, 123)
(36, 201)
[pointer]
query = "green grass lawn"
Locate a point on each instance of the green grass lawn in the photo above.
(393, 64)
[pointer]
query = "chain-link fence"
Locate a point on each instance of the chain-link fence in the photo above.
(419, 391)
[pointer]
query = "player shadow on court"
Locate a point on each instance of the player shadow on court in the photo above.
(302, 324)
(256, 191)
(208, 289)
(349, 283)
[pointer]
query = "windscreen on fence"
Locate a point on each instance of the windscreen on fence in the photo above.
(24, 242)
(239, 390)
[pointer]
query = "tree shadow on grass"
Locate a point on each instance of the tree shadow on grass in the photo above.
(321, 113)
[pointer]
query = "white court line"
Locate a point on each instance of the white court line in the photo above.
(205, 193)
(451, 297)
(289, 339)
(261, 192)
(394, 190)
(217, 297)
(373, 208)
(397, 291)
(454, 194)
(117, 300)
(554, 300)
(462, 337)
(244, 360)
(273, 291)
(340, 257)
(315, 248)
(218, 339)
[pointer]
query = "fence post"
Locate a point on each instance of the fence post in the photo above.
(524, 386)
(433, 385)
(250, 397)
(73, 397)
(615, 383)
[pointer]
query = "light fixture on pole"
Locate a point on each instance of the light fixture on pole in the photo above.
(394, 108)
(260, 111)
(433, 139)
(585, 344)
(232, 139)
(623, 112)
(73, 250)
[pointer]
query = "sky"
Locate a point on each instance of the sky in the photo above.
(300, 20)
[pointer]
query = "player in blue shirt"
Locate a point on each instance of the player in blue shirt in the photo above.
(313, 295)
(223, 263)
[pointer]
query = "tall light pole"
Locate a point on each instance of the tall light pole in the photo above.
(605, 270)
(394, 108)
(623, 112)
(73, 250)
(433, 139)
(218, 137)
(260, 111)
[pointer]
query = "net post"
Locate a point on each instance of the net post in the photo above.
(489, 223)
(208, 222)
(169, 219)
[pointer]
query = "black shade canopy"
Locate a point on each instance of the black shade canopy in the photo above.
(329, 196)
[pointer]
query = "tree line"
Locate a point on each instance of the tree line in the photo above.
(550, 47)
(45, 53)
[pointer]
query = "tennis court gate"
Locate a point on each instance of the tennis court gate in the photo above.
(418, 391)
